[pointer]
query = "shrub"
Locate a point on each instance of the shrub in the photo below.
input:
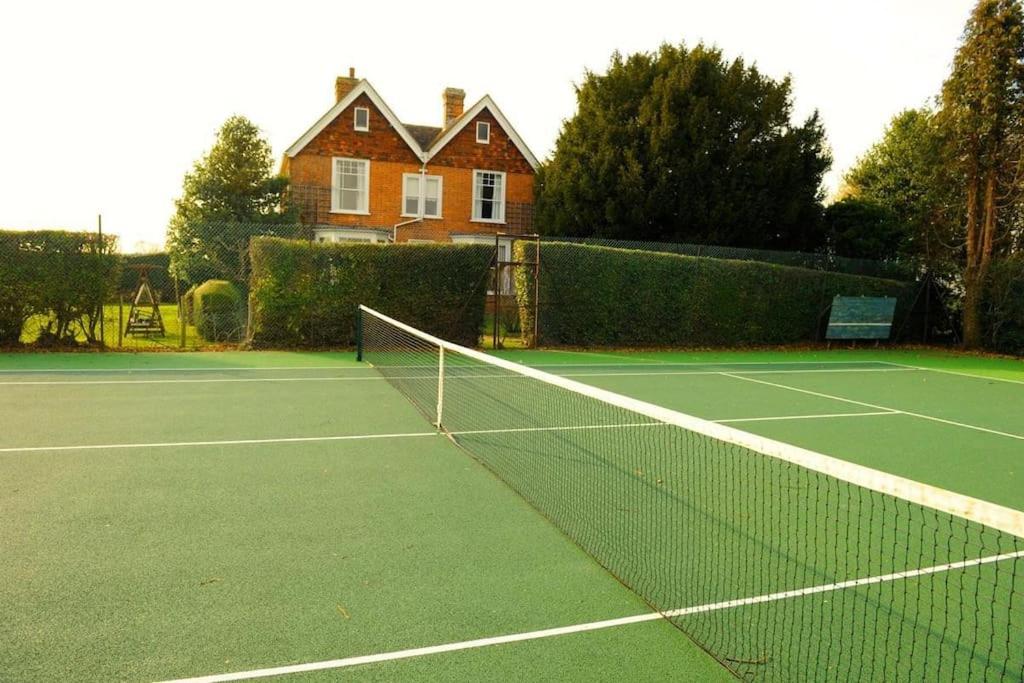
(219, 311)
(59, 279)
(1005, 305)
(306, 294)
(599, 296)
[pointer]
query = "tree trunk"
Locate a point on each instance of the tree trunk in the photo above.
(972, 297)
(980, 238)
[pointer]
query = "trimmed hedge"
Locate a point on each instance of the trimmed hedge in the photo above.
(59, 280)
(600, 296)
(1005, 305)
(306, 293)
(218, 311)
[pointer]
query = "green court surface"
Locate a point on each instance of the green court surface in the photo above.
(173, 516)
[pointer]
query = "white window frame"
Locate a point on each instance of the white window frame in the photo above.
(336, 187)
(501, 201)
(421, 203)
(486, 139)
(355, 119)
(336, 235)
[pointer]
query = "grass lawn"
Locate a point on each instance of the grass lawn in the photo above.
(113, 317)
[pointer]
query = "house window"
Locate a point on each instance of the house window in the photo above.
(483, 132)
(421, 194)
(361, 118)
(350, 187)
(350, 235)
(489, 196)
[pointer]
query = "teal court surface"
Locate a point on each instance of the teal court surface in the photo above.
(227, 516)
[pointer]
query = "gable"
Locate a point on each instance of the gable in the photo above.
(511, 147)
(335, 118)
(500, 154)
(383, 142)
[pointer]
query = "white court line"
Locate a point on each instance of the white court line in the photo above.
(959, 373)
(208, 380)
(591, 626)
(450, 376)
(232, 442)
(807, 417)
(541, 366)
(185, 369)
(591, 354)
(404, 435)
(922, 416)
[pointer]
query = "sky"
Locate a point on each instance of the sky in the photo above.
(105, 105)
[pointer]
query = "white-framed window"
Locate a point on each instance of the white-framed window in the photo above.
(350, 235)
(361, 118)
(421, 193)
(504, 256)
(483, 132)
(489, 196)
(350, 186)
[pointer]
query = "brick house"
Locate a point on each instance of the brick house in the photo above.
(361, 174)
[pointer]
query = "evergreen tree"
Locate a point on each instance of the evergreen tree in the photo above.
(683, 145)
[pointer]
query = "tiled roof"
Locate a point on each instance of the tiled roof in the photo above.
(423, 134)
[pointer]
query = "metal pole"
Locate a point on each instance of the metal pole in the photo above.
(497, 266)
(120, 322)
(440, 385)
(536, 296)
(182, 318)
(359, 334)
(103, 299)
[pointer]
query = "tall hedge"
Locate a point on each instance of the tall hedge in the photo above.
(59, 280)
(600, 296)
(1005, 305)
(306, 294)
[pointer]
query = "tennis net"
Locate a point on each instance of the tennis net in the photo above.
(782, 563)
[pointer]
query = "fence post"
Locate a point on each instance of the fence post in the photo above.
(103, 299)
(120, 322)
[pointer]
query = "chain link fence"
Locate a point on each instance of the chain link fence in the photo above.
(66, 290)
(891, 270)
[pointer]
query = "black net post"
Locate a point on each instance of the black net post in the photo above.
(359, 335)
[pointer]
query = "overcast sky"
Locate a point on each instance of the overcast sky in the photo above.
(104, 106)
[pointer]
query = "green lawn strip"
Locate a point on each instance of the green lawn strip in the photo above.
(156, 564)
(647, 651)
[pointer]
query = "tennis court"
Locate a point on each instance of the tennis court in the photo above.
(240, 514)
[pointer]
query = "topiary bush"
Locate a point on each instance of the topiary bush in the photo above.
(306, 294)
(218, 311)
(600, 296)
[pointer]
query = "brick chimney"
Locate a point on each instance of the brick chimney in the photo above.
(343, 85)
(454, 99)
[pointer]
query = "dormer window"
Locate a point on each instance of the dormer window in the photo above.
(483, 132)
(362, 119)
